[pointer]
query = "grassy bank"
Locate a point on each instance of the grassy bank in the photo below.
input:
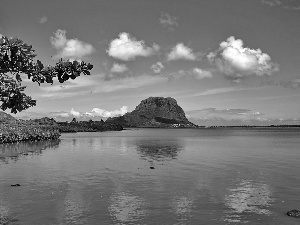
(18, 132)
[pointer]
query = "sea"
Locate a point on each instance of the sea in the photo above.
(153, 176)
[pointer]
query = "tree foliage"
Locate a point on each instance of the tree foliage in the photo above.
(16, 58)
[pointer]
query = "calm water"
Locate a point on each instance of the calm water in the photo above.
(200, 176)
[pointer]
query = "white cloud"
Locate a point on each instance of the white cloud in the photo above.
(235, 61)
(127, 48)
(157, 67)
(168, 21)
(200, 74)
(105, 113)
(95, 112)
(118, 68)
(42, 20)
(74, 113)
(180, 51)
(72, 49)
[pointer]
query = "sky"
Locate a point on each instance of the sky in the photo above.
(232, 62)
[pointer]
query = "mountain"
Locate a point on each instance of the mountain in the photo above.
(155, 112)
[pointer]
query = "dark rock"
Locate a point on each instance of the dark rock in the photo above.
(152, 167)
(155, 112)
(294, 213)
(15, 185)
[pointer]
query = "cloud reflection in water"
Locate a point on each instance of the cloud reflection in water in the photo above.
(248, 197)
(125, 207)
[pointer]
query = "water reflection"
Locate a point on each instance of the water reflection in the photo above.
(248, 197)
(76, 206)
(15, 149)
(182, 205)
(159, 150)
(125, 207)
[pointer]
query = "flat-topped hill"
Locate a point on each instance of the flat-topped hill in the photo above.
(154, 112)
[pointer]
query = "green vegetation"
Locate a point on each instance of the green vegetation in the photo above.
(15, 133)
(16, 58)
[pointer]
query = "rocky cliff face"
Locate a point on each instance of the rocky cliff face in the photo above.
(154, 112)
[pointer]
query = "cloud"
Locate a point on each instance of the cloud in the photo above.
(127, 48)
(43, 19)
(223, 90)
(236, 62)
(74, 113)
(272, 2)
(129, 83)
(286, 4)
(72, 49)
(213, 114)
(235, 117)
(95, 112)
(118, 68)
(76, 85)
(168, 21)
(105, 113)
(200, 74)
(291, 84)
(180, 51)
(196, 72)
(85, 85)
(157, 67)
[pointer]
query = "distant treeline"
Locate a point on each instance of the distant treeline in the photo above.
(250, 126)
(12, 130)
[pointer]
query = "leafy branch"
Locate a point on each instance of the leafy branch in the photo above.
(16, 58)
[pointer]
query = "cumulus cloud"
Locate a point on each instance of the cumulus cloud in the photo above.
(105, 113)
(168, 21)
(43, 19)
(236, 61)
(180, 51)
(95, 112)
(74, 113)
(72, 49)
(157, 67)
(118, 68)
(127, 48)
